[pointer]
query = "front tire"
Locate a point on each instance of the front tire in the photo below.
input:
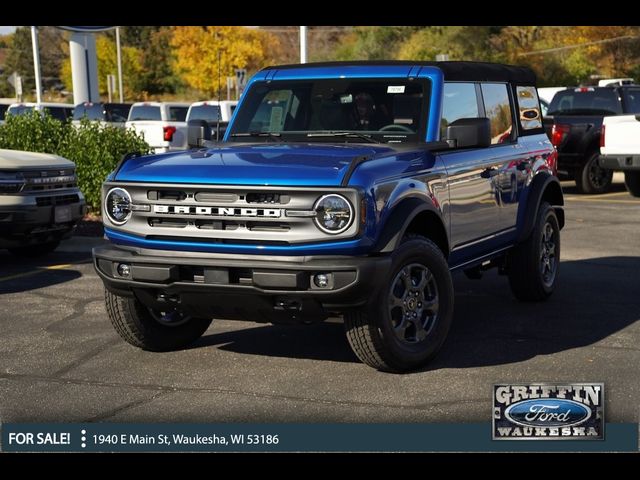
(152, 330)
(408, 318)
(534, 264)
(592, 178)
(632, 182)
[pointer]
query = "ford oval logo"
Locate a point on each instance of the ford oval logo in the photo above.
(548, 412)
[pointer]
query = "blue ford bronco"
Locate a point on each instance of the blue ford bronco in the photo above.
(339, 189)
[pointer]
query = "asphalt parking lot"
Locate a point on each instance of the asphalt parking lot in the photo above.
(60, 360)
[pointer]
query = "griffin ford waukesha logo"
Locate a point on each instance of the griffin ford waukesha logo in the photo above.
(572, 411)
(217, 211)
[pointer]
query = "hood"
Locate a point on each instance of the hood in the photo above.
(254, 164)
(19, 160)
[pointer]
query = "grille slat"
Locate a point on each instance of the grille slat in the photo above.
(57, 200)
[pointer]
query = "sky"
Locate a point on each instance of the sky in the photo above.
(5, 30)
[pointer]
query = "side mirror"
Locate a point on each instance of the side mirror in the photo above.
(221, 131)
(469, 132)
(198, 131)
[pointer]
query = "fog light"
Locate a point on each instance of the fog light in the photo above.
(321, 280)
(124, 270)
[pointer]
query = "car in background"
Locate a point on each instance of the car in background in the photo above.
(213, 112)
(40, 202)
(113, 114)
(544, 107)
(162, 124)
(620, 148)
(546, 94)
(4, 105)
(574, 123)
(59, 111)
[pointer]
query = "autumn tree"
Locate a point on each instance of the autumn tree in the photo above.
(197, 49)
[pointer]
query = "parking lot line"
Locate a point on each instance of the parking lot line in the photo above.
(34, 272)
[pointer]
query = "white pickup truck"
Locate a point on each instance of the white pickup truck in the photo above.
(620, 148)
(163, 124)
(212, 112)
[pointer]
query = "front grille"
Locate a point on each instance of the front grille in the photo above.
(57, 200)
(226, 214)
(48, 180)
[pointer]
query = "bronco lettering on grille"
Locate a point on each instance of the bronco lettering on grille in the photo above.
(217, 211)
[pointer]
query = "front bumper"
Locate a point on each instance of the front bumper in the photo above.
(620, 162)
(252, 287)
(24, 221)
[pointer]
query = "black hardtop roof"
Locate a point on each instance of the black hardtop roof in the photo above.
(452, 70)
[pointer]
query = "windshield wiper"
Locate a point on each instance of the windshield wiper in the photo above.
(363, 136)
(274, 135)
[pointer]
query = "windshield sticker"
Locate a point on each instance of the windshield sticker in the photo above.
(395, 89)
(275, 122)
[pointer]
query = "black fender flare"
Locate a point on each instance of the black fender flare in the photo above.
(398, 222)
(542, 183)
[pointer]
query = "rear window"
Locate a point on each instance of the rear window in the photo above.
(92, 112)
(632, 99)
(145, 112)
(19, 110)
(117, 113)
(60, 113)
(3, 111)
(529, 108)
(178, 114)
(592, 101)
(208, 113)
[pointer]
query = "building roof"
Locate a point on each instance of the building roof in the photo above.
(454, 71)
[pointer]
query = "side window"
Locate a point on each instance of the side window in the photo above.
(459, 101)
(528, 108)
(498, 110)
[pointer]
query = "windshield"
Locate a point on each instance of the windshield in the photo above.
(381, 110)
(586, 101)
(632, 99)
(92, 112)
(208, 113)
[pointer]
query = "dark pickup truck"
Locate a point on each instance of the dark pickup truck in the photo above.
(574, 124)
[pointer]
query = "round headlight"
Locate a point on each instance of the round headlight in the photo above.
(334, 214)
(118, 205)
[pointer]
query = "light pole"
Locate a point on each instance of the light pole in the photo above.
(303, 44)
(119, 55)
(36, 63)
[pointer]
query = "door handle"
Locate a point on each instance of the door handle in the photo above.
(489, 172)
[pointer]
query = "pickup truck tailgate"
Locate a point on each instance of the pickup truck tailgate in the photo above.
(622, 135)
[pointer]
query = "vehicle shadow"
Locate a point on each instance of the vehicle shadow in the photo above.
(18, 274)
(595, 299)
(324, 341)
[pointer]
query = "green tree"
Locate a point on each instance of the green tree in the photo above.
(157, 76)
(460, 43)
(373, 43)
(52, 54)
